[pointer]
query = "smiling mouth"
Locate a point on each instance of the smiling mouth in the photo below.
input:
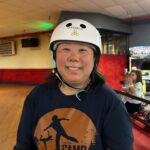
(74, 68)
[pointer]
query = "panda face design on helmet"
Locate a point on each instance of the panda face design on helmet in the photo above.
(82, 26)
(76, 29)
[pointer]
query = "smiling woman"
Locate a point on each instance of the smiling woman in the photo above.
(74, 109)
(74, 63)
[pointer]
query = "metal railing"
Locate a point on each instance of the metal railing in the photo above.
(142, 116)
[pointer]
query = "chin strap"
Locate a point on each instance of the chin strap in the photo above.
(77, 93)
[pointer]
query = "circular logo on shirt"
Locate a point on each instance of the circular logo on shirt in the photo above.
(65, 129)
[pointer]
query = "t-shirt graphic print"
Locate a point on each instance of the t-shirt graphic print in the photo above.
(65, 129)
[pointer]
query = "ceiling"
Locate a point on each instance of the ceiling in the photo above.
(18, 17)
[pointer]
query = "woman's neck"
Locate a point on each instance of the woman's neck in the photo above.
(68, 90)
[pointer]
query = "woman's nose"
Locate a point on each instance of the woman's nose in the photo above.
(73, 56)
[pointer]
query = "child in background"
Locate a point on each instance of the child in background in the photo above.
(135, 88)
(126, 83)
(125, 87)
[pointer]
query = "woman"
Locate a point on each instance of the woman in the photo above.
(92, 115)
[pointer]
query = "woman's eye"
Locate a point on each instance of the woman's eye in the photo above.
(66, 50)
(83, 50)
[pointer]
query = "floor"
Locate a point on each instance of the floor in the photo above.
(11, 102)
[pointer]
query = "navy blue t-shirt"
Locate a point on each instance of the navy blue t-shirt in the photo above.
(53, 121)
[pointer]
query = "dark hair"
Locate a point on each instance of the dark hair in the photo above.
(138, 74)
(97, 76)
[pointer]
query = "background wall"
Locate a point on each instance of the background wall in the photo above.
(32, 65)
(27, 58)
(28, 65)
(112, 67)
(141, 35)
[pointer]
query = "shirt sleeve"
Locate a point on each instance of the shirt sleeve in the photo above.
(117, 127)
(25, 129)
(139, 90)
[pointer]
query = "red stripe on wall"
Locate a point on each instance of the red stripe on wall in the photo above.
(24, 75)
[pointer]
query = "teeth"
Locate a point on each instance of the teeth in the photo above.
(73, 68)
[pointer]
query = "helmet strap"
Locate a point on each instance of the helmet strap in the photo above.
(64, 82)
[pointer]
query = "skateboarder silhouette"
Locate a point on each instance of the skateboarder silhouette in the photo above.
(56, 125)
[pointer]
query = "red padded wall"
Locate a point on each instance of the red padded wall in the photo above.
(112, 67)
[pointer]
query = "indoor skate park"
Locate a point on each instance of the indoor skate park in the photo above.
(26, 61)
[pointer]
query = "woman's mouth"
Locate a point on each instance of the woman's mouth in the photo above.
(73, 68)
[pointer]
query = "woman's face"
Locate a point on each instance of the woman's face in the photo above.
(75, 62)
(133, 76)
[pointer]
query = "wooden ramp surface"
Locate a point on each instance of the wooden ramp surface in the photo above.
(11, 101)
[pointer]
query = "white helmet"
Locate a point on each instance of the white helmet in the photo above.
(76, 30)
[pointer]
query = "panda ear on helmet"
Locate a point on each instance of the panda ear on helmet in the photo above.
(77, 30)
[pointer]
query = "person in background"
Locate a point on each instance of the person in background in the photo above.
(74, 109)
(125, 87)
(126, 82)
(135, 88)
